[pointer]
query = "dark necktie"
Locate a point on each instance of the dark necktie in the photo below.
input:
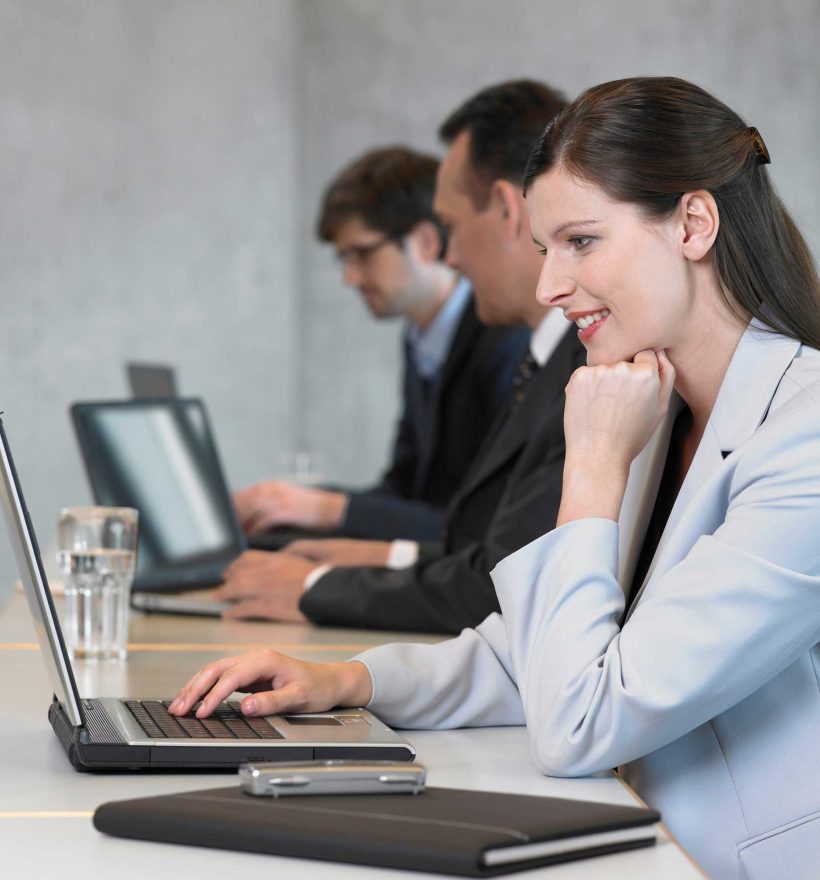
(526, 369)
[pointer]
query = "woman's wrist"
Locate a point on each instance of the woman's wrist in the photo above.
(355, 683)
(592, 491)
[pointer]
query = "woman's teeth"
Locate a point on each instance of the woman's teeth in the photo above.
(589, 320)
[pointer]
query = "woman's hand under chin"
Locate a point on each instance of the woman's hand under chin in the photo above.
(611, 412)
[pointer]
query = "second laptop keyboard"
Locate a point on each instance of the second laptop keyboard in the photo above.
(226, 722)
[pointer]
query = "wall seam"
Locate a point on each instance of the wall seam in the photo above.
(299, 438)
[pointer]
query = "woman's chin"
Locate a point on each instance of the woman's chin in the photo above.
(601, 358)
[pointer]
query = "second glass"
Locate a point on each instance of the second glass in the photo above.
(97, 549)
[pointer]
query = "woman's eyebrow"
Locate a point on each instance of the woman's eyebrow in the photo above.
(580, 223)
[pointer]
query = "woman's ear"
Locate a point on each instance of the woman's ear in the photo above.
(701, 221)
(426, 240)
(506, 202)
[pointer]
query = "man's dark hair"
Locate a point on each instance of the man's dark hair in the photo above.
(504, 121)
(389, 189)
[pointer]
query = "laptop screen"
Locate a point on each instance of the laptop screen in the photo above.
(38, 595)
(151, 380)
(159, 457)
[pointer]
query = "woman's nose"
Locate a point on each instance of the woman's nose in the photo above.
(554, 284)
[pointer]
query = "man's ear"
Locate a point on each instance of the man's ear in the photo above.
(426, 241)
(701, 220)
(507, 203)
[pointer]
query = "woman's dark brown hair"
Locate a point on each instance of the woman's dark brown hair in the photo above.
(648, 140)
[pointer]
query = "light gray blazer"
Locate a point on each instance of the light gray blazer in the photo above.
(708, 696)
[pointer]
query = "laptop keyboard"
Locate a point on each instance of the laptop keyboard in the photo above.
(226, 722)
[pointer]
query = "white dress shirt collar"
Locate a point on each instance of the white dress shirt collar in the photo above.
(547, 335)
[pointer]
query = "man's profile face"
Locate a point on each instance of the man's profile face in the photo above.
(378, 266)
(473, 246)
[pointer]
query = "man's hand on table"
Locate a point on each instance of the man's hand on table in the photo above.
(277, 503)
(266, 585)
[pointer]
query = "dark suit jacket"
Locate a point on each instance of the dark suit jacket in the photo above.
(509, 498)
(439, 434)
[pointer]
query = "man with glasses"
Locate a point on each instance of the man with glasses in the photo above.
(378, 216)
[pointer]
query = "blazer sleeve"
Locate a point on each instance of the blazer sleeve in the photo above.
(740, 606)
(381, 516)
(442, 594)
(442, 692)
(446, 592)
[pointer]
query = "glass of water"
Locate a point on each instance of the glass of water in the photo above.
(301, 468)
(97, 551)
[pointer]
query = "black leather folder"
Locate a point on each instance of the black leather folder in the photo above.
(442, 830)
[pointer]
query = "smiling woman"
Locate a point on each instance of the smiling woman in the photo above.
(685, 648)
(670, 624)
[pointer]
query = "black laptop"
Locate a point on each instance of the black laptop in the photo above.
(149, 381)
(110, 733)
(160, 457)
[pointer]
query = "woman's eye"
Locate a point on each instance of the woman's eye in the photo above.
(579, 242)
(542, 252)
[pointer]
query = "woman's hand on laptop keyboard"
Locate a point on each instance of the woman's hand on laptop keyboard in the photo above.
(276, 683)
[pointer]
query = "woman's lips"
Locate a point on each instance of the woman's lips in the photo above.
(586, 333)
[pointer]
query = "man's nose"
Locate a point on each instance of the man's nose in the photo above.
(352, 275)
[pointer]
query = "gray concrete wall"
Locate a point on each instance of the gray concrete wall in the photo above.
(161, 162)
(147, 171)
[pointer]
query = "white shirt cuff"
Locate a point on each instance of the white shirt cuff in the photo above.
(318, 572)
(402, 554)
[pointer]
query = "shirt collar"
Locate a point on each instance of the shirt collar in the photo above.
(547, 335)
(429, 347)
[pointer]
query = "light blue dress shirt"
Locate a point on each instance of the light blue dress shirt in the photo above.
(429, 347)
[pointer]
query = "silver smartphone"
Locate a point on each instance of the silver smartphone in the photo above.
(332, 777)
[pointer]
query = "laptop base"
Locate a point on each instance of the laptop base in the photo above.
(104, 750)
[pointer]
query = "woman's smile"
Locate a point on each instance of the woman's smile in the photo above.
(588, 323)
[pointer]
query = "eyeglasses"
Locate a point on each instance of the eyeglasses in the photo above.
(359, 254)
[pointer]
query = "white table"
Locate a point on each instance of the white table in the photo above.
(46, 807)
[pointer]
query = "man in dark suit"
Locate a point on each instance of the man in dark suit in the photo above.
(378, 215)
(510, 495)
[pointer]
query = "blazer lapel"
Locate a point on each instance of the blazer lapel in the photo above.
(468, 328)
(745, 395)
(515, 426)
(750, 384)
